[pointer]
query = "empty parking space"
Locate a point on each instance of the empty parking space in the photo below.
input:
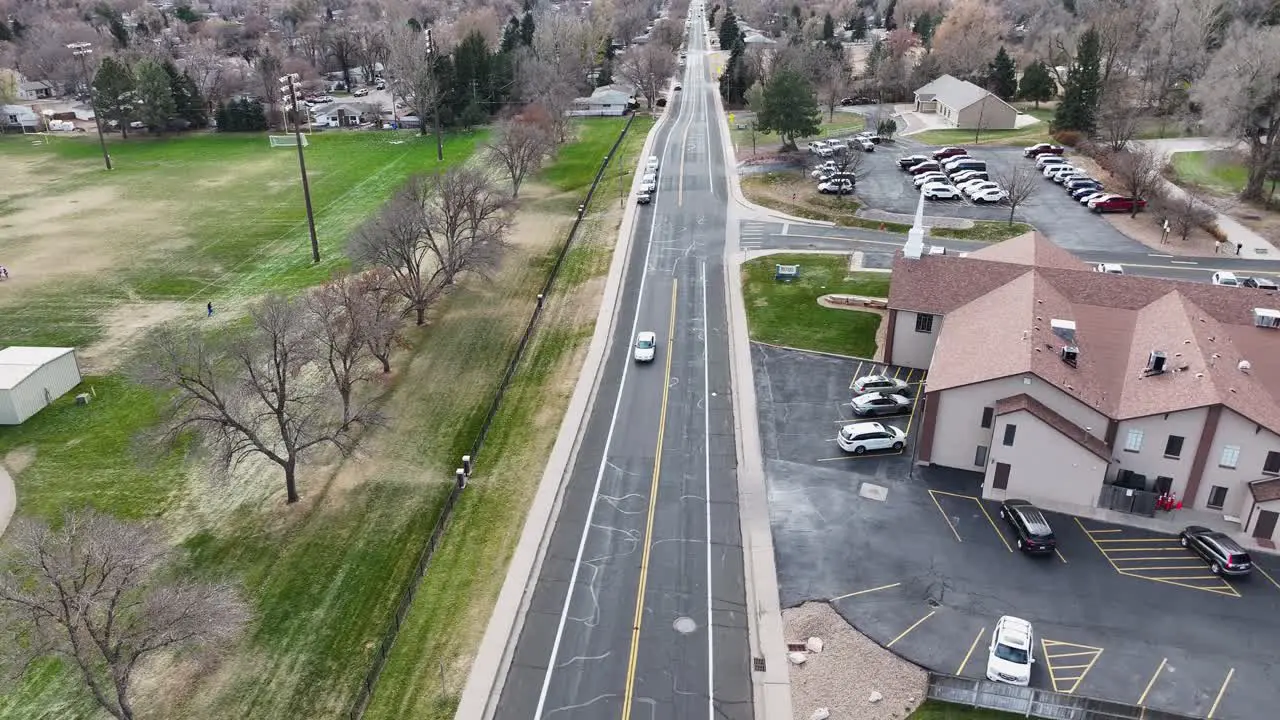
(968, 518)
(1158, 558)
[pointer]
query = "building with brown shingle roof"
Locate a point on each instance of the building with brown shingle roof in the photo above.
(1076, 388)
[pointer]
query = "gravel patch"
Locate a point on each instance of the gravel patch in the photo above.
(851, 667)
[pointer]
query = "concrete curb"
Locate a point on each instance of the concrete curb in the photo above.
(735, 184)
(488, 671)
(771, 689)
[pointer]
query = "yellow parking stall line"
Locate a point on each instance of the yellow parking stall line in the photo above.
(1221, 690)
(864, 592)
(1070, 667)
(1209, 576)
(1158, 557)
(896, 371)
(856, 374)
(951, 494)
(995, 527)
(1058, 552)
(1224, 589)
(915, 400)
(1095, 544)
(1055, 656)
(914, 625)
(1152, 681)
(1091, 532)
(1267, 575)
(944, 514)
(965, 661)
(1163, 567)
(1175, 548)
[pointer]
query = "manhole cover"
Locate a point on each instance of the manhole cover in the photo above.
(684, 625)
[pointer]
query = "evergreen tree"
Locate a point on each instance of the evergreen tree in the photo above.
(1037, 84)
(472, 65)
(5, 33)
(220, 118)
(875, 56)
(790, 108)
(1002, 75)
(1079, 107)
(828, 27)
(737, 77)
(186, 14)
(414, 25)
(924, 27)
(187, 102)
(889, 22)
(526, 29)
(156, 106)
(255, 116)
(112, 93)
(510, 35)
(17, 28)
(730, 33)
(605, 76)
(858, 27)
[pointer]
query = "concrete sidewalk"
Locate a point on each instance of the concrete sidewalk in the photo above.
(1251, 244)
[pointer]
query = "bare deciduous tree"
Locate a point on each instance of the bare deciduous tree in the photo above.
(1185, 212)
(253, 396)
(392, 239)
(94, 591)
(520, 145)
(1020, 185)
(1137, 171)
(412, 74)
(966, 39)
(381, 314)
(649, 68)
(338, 322)
(1118, 116)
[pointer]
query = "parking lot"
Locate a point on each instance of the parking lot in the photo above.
(915, 559)
(885, 187)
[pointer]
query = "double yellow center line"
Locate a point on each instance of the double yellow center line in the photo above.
(629, 693)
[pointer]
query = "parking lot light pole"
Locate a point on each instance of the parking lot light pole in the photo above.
(292, 96)
(82, 50)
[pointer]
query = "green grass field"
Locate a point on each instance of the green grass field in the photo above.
(234, 203)
(840, 125)
(1029, 135)
(934, 710)
(1212, 169)
(788, 313)
(323, 576)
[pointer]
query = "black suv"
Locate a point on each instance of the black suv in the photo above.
(1224, 555)
(1029, 524)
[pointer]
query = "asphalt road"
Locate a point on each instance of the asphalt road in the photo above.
(879, 247)
(936, 566)
(638, 610)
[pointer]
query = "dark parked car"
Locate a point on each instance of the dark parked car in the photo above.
(926, 166)
(1118, 204)
(948, 152)
(1224, 555)
(909, 161)
(859, 100)
(1080, 192)
(1042, 149)
(1029, 525)
(1260, 282)
(875, 404)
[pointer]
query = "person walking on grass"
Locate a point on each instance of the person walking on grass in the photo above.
(210, 308)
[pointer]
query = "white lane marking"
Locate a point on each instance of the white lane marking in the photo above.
(1183, 262)
(1158, 255)
(706, 448)
(604, 457)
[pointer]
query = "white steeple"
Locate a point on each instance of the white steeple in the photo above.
(915, 236)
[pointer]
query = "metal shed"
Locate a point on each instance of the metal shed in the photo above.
(31, 378)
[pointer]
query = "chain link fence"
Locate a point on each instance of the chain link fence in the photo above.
(1036, 702)
(365, 693)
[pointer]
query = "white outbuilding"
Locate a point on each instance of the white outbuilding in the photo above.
(31, 378)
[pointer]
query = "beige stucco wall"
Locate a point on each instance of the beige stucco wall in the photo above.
(1150, 460)
(1044, 467)
(1254, 444)
(995, 115)
(910, 348)
(958, 429)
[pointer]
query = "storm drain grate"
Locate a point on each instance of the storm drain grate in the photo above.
(797, 647)
(758, 664)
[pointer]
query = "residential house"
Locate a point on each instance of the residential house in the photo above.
(18, 118)
(1078, 389)
(34, 90)
(340, 115)
(604, 101)
(965, 105)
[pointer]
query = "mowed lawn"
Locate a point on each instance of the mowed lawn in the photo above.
(1218, 170)
(324, 576)
(788, 313)
(234, 204)
(1029, 135)
(935, 710)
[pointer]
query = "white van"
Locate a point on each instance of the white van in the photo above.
(652, 165)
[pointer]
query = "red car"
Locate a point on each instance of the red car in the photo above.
(1037, 150)
(926, 166)
(1118, 204)
(947, 152)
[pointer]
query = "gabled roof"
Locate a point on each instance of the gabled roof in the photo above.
(955, 93)
(1065, 427)
(1000, 304)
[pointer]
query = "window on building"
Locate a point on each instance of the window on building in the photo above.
(1173, 446)
(924, 323)
(1272, 465)
(1133, 442)
(1217, 497)
(980, 457)
(1009, 431)
(1230, 456)
(988, 414)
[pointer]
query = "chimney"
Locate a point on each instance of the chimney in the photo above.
(1156, 362)
(915, 236)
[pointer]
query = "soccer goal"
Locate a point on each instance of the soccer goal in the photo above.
(286, 140)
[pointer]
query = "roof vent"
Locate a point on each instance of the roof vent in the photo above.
(1071, 355)
(1244, 366)
(1064, 329)
(1156, 362)
(1266, 318)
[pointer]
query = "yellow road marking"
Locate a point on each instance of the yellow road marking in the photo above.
(864, 592)
(1095, 544)
(1267, 575)
(1055, 656)
(1068, 683)
(1058, 552)
(913, 627)
(995, 527)
(1164, 567)
(1140, 540)
(1101, 531)
(856, 374)
(944, 515)
(1152, 681)
(653, 506)
(965, 661)
(1072, 667)
(915, 402)
(1221, 690)
(1175, 548)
